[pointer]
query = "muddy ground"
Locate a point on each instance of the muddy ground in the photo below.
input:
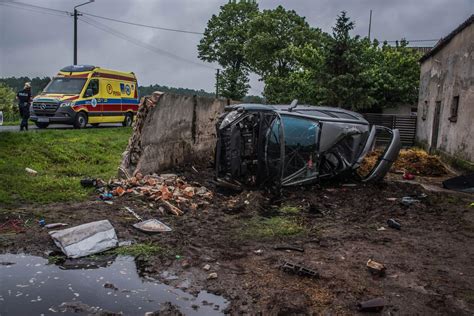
(429, 261)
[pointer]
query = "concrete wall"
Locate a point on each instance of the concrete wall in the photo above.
(172, 131)
(449, 73)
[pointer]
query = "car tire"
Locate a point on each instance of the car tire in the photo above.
(81, 120)
(128, 121)
(95, 124)
(41, 125)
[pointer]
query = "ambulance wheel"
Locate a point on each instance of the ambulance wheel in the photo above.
(41, 125)
(128, 120)
(80, 121)
(95, 124)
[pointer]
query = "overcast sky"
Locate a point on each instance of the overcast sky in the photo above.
(39, 44)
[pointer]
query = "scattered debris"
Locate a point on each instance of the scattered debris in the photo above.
(349, 185)
(169, 190)
(207, 267)
(394, 224)
(12, 226)
(372, 305)
(408, 200)
(299, 270)
(212, 275)
(408, 176)
(85, 239)
(258, 251)
(376, 268)
(288, 247)
(88, 182)
(472, 204)
(133, 213)
(125, 243)
(463, 183)
(392, 199)
(42, 222)
(381, 228)
(106, 196)
(152, 226)
(54, 225)
(108, 202)
(31, 171)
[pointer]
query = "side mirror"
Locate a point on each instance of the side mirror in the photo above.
(89, 92)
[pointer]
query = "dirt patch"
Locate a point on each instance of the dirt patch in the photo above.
(429, 261)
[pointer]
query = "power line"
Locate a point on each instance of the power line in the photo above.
(132, 40)
(143, 25)
(414, 41)
(31, 10)
(32, 6)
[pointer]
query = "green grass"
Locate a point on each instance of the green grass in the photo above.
(265, 228)
(62, 158)
(138, 250)
(12, 123)
(290, 210)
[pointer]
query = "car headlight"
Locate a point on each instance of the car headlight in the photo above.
(66, 104)
(229, 118)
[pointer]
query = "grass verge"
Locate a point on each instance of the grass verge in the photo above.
(273, 227)
(62, 158)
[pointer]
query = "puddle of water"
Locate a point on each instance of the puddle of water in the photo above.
(29, 286)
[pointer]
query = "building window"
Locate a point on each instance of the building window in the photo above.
(425, 111)
(454, 109)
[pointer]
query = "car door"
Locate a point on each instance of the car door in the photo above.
(91, 96)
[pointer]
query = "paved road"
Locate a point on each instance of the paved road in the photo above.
(32, 127)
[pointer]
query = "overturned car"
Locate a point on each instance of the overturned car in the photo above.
(274, 146)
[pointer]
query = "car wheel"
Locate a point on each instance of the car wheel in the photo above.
(81, 120)
(41, 125)
(95, 124)
(128, 120)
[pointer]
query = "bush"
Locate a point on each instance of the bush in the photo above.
(7, 101)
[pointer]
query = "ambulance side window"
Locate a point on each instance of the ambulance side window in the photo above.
(92, 88)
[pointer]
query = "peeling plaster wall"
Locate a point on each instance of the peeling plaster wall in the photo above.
(171, 132)
(449, 73)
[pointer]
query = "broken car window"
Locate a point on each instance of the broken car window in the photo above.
(300, 145)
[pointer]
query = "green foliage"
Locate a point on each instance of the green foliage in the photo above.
(7, 100)
(17, 84)
(223, 42)
(62, 158)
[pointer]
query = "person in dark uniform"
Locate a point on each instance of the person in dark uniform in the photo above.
(24, 98)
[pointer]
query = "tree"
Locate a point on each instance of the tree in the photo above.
(223, 42)
(7, 99)
(277, 50)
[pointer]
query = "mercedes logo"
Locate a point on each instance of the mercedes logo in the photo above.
(43, 106)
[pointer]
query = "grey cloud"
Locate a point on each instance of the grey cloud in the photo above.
(37, 44)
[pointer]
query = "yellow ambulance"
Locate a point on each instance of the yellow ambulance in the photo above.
(84, 94)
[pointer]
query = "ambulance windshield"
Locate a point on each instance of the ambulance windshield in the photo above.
(65, 85)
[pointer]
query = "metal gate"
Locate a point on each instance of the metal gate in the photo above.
(406, 124)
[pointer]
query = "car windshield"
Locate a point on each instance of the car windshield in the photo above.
(65, 85)
(300, 146)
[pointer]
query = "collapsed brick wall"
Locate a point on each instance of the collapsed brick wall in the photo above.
(171, 130)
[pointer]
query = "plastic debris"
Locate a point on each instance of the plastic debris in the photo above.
(31, 171)
(86, 239)
(408, 176)
(212, 275)
(408, 200)
(54, 225)
(152, 226)
(88, 182)
(394, 224)
(288, 247)
(376, 268)
(373, 305)
(133, 213)
(42, 222)
(106, 196)
(207, 267)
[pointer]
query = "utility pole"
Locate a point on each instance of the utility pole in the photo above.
(370, 23)
(217, 82)
(76, 14)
